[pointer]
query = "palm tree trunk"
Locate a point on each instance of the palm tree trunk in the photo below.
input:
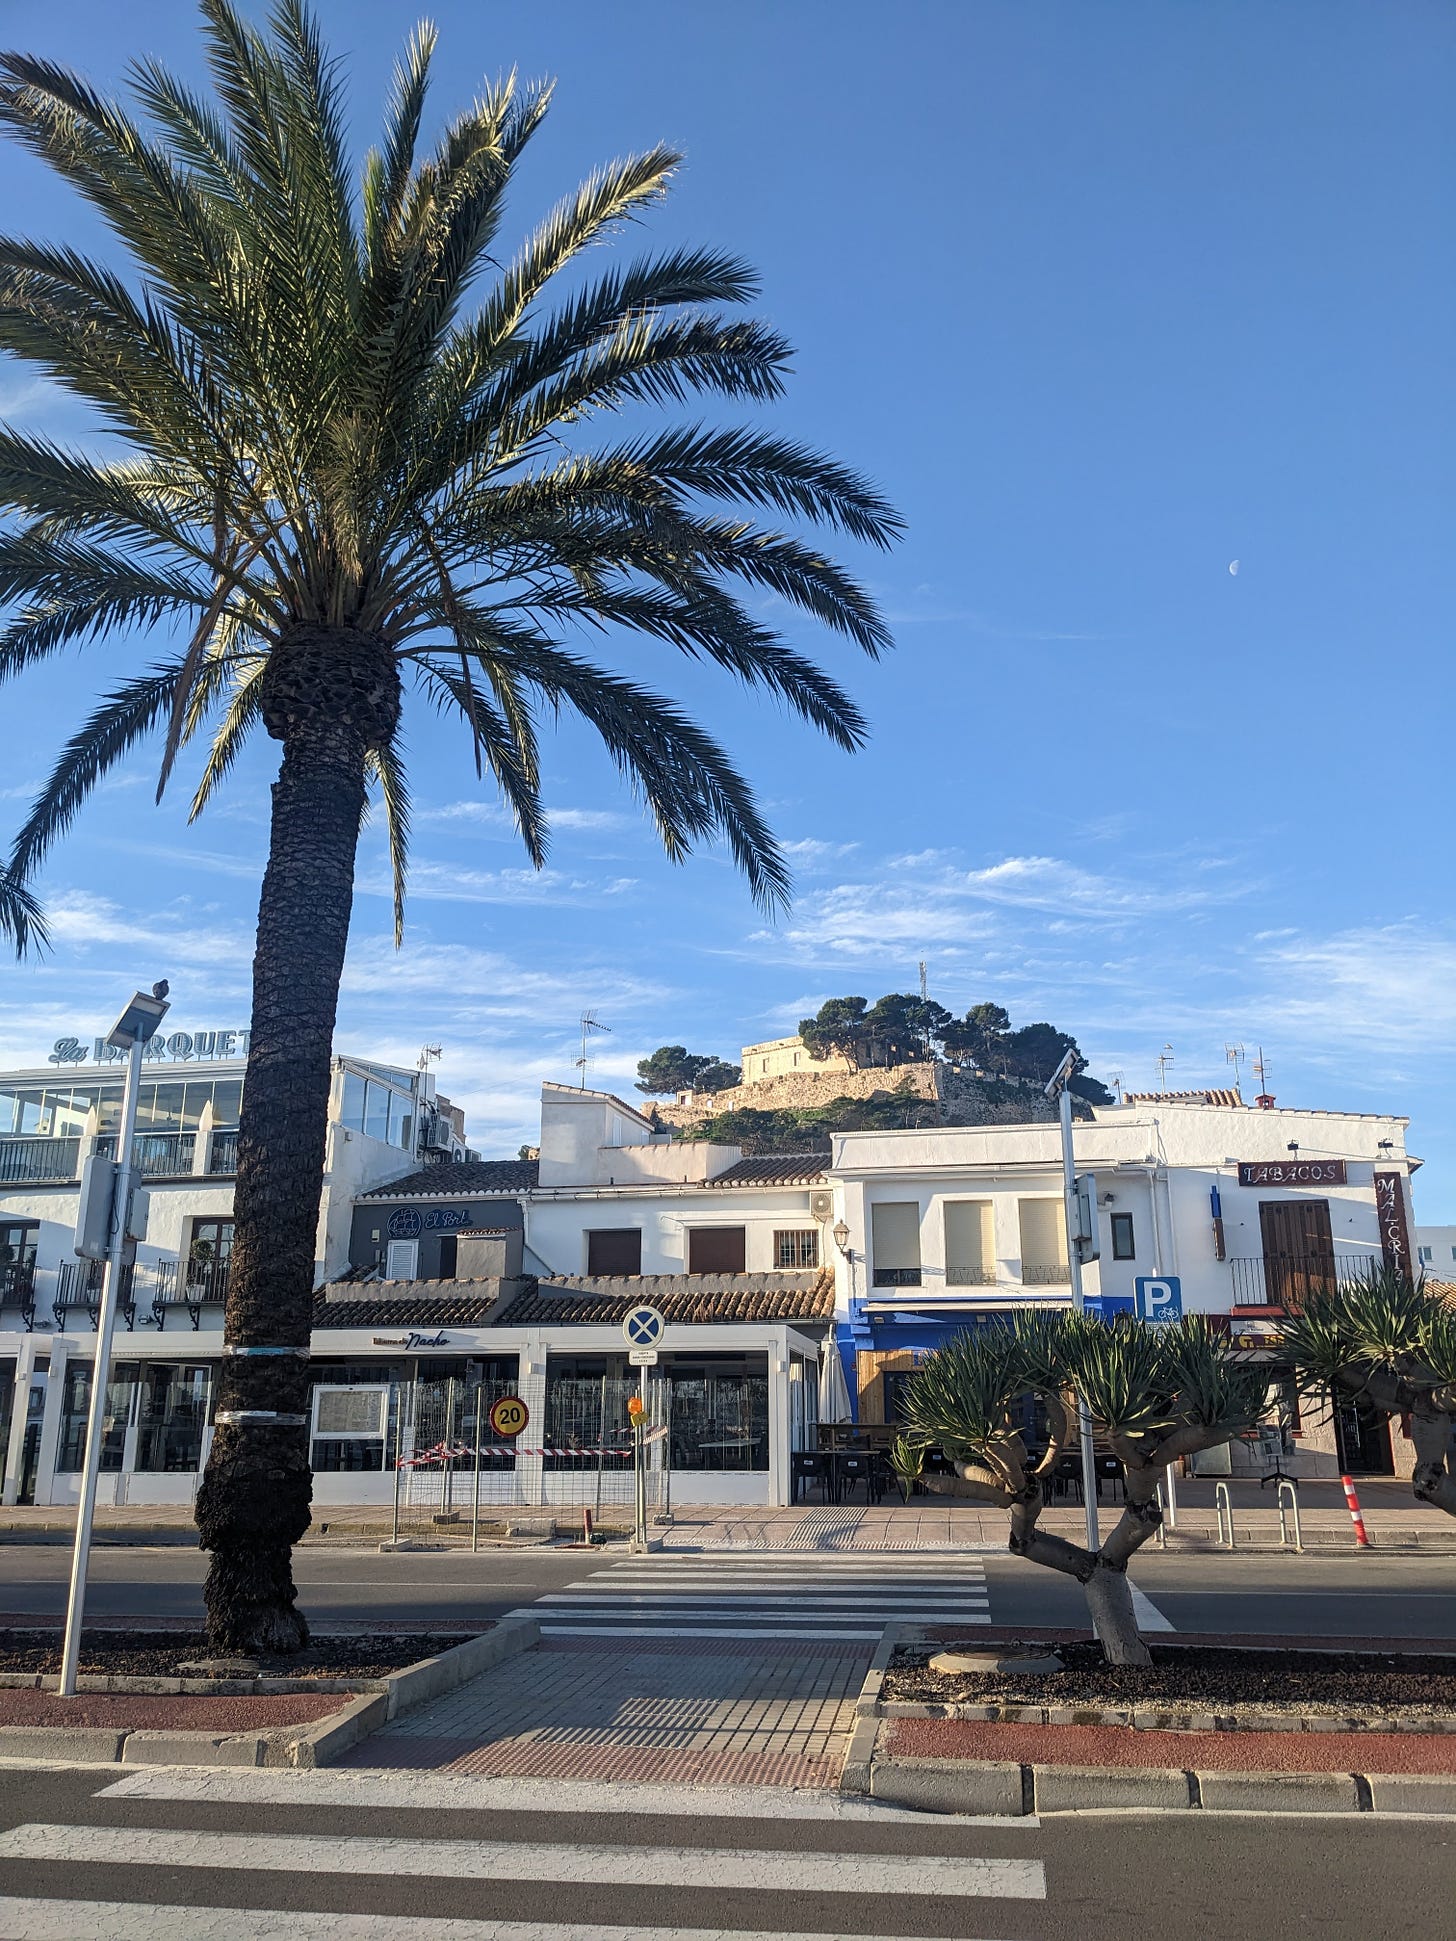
(330, 695)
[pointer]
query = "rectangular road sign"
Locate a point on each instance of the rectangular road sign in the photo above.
(1160, 1298)
(642, 1357)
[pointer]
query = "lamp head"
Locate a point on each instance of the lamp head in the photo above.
(841, 1236)
(139, 1021)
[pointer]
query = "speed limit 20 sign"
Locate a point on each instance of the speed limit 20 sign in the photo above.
(509, 1415)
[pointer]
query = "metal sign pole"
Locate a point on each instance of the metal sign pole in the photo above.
(475, 1505)
(1079, 1300)
(101, 1372)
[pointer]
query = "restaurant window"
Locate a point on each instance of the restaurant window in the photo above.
(717, 1250)
(75, 1407)
(718, 1416)
(797, 1248)
(895, 1238)
(614, 1250)
(353, 1408)
(1043, 1243)
(970, 1252)
(1123, 1247)
(171, 1416)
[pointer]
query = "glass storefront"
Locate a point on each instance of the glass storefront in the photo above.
(168, 1400)
(76, 1405)
(718, 1419)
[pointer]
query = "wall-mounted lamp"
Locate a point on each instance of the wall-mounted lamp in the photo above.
(1385, 1145)
(841, 1236)
(1109, 1199)
(1294, 1147)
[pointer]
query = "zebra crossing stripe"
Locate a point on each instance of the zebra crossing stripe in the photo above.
(55, 1920)
(941, 1876)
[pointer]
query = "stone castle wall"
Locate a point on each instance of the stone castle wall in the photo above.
(963, 1098)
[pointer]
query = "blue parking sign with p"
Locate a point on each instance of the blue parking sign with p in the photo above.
(1160, 1298)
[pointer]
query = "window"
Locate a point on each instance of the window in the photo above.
(402, 1260)
(1122, 1240)
(799, 1248)
(350, 1426)
(171, 1414)
(76, 1406)
(208, 1253)
(1426, 1253)
(614, 1250)
(970, 1252)
(18, 1240)
(376, 1112)
(1043, 1243)
(895, 1238)
(717, 1250)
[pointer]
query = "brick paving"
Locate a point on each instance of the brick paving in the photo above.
(749, 1712)
(1120, 1745)
(180, 1712)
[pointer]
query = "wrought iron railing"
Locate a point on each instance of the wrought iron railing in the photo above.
(190, 1285)
(970, 1277)
(17, 1287)
(897, 1277)
(1055, 1273)
(1283, 1280)
(31, 1160)
(78, 1290)
(157, 1155)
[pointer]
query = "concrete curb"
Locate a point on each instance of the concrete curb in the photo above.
(1001, 1788)
(318, 1744)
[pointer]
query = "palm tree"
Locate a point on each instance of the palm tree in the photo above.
(350, 459)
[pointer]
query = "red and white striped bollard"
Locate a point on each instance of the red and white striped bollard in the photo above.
(1362, 1540)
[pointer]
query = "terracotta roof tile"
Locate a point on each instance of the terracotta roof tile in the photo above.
(604, 1299)
(466, 1179)
(774, 1169)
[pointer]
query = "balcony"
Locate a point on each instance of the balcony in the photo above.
(1055, 1273)
(38, 1162)
(223, 1158)
(157, 1155)
(17, 1287)
(1283, 1280)
(897, 1277)
(187, 1287)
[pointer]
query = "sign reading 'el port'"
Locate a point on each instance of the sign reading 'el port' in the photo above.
(409, 1222)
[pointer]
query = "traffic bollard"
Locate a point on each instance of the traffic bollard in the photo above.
(1362, 1541)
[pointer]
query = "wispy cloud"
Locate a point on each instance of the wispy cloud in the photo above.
(443, 882)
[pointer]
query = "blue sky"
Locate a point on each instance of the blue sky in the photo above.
(1105, 298)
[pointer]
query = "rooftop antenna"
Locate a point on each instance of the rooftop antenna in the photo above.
(1261, 1072)
(1116, 1078)
(589, 1023)
(427, 1052)
(1235, 1055)
(1165, 1059)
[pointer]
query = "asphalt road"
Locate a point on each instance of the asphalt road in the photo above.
(200, 1855)
(1348, 1595)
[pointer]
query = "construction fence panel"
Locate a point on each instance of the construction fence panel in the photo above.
(455, 1472)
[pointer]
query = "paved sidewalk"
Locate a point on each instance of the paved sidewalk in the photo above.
(745, 1713)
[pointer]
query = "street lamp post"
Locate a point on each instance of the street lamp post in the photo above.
(1060, 1086)
(133, 1028)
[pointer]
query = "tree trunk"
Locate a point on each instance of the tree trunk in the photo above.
(329, 695)
(1109, 1600)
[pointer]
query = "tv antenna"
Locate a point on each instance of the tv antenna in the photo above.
(1165, 1059)
(1261, 1072)
(427, 1052)
(1116, 1078)
(590, 1022)
(1235, 1055)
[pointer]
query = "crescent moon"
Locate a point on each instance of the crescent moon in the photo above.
(1234, 568)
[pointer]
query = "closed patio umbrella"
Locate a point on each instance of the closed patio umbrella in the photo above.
(833, 1390)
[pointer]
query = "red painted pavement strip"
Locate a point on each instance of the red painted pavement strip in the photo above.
(130, 1713)
(1114, 1745)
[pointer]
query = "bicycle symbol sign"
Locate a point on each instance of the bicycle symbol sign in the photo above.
(643, 1327)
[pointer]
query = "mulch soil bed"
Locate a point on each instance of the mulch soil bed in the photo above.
(123, 1713)
(1206, 1677)
(1110, 1745)
(158, 1654)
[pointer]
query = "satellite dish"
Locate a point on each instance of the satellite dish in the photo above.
(1234, 568)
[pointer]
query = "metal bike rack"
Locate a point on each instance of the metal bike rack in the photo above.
(1223, 1505)
(1288, 1495)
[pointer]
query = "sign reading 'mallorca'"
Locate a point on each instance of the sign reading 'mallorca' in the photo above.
(1395, 1247)
(1292, 1172)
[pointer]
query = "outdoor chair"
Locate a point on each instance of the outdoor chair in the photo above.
(1067, 1475)
(1109, 1470)
(811, 1466)
(857, 1466)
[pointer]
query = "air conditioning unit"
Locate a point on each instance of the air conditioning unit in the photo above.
(437, 1135)
(821, 1204)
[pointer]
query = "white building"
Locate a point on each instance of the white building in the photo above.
(381, 1119)
(1436, 1252)
(1240, 1208)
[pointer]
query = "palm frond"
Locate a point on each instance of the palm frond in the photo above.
(21, 918)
